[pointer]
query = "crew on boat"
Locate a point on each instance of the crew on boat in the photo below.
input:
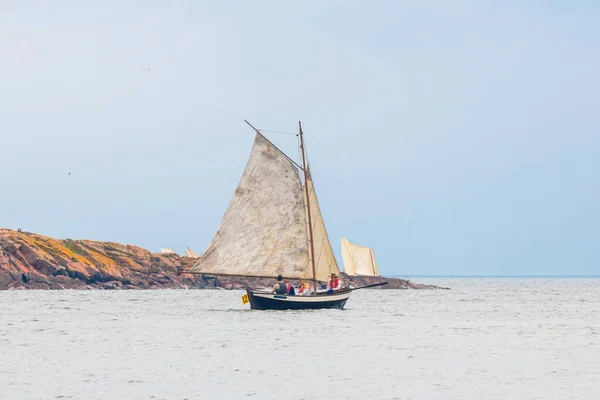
(282, 287)
(304, 289)
(334, 284)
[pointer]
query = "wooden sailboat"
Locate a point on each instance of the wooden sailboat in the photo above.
(358, 260)
(274, 226)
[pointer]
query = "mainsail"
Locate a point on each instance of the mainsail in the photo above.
(325, 263)
(358, 260)
(263, 232)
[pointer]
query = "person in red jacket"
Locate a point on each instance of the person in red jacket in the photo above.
(334, 284)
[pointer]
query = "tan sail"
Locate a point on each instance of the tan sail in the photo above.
(325, 262)
(191, 253)
(358, 260)
(263, 232)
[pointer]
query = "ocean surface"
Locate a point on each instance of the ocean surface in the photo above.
(484, 339)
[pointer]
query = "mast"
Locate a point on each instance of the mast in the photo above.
(372, 261)
(310, 230)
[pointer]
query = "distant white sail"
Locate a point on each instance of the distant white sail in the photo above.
(263, 232)
(358, 260)
(191, 253)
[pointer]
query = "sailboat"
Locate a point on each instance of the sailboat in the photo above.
(191, 253)
(274, 226)
(358, 260)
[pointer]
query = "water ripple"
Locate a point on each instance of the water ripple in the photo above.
(485, 338)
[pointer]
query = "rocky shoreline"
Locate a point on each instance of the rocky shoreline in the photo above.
(32, 261)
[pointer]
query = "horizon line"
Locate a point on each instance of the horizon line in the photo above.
(492, 276)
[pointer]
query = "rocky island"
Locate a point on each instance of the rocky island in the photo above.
(33, 261)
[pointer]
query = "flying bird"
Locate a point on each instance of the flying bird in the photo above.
(69, 174)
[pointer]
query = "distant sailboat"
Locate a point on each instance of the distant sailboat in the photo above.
(274, 226)
(191, 253)
(358, 260)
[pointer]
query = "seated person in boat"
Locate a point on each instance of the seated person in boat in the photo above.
(334, 284)
(304, 289)
(282, 287)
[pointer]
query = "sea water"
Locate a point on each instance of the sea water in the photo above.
(484, 338)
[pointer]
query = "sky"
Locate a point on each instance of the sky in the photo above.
(455, 138)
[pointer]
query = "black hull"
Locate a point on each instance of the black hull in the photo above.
(262, 301)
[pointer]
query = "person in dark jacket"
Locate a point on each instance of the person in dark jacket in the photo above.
(280, 287)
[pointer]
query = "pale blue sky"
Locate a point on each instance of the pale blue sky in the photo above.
(454, 137)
